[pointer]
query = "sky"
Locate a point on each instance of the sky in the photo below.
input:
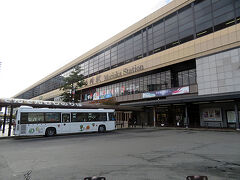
(37, 37)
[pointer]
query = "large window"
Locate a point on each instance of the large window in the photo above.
(186, 24)
(171, 30)
(145, 47)
(128, 49)
(187, 77)
(114, 59)
(138, 45)
(150, 40)
(95, 63)
(90, 66)
(158, 36)
(101, 62)
(121, 53)
(223, 13)
(237, 10)
(203, 17)
(86, 68)
(107, 63)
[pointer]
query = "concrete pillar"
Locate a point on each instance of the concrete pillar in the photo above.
(4, 121)
(237, 116)
(154, 116)
(186, 116)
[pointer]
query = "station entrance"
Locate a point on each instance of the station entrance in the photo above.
(123, 118)
(176, 116)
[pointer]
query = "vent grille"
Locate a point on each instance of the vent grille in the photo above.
(23, 129)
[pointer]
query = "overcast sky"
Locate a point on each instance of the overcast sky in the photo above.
(39, 36)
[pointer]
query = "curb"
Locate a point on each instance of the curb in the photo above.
(159, 128)
(6, 137)
(185, 129)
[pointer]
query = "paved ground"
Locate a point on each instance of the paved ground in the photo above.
(123, 154)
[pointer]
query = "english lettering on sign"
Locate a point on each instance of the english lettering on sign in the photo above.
(112, 76)
(132, 69)
(125, 71)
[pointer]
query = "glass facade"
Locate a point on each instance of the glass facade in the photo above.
(178, 75)
(196, 19)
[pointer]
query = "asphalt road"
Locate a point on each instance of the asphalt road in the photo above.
(123, 154)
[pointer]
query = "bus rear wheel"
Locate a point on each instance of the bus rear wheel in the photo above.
(50, 132)
(101, 129)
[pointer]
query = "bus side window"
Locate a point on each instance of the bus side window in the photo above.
(65, 118)
(24, 118)
(111, 117)
(102, 116)
(79, 117)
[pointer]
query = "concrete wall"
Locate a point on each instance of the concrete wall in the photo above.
(219, 73)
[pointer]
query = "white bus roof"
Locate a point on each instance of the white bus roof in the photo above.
(30, 109)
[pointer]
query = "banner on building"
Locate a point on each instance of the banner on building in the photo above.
(167, 92)
(96, 96)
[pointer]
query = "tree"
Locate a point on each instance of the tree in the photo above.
(109, 101)
(74, 81)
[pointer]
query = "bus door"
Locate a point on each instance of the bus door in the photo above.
(66, 123)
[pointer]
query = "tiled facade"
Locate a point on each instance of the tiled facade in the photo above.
(219, 73)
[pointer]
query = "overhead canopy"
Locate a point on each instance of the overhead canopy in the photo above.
(187, 99)
(36, 103)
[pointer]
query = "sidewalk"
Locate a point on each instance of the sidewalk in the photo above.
(183, 128)
(5, 134)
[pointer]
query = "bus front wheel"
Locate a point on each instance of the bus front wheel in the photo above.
(101, 129)
(50, 132)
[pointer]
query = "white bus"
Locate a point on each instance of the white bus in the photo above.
(45, 121)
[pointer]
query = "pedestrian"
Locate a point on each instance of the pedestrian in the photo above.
(1, 124)
(134, 121)
(130, 122)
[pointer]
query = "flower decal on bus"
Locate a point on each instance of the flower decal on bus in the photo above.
(81, 127)
(88, 127)
(31, 130)
(39, 129)
(93, 124)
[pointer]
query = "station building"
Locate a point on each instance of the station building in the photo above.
(180, 65)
